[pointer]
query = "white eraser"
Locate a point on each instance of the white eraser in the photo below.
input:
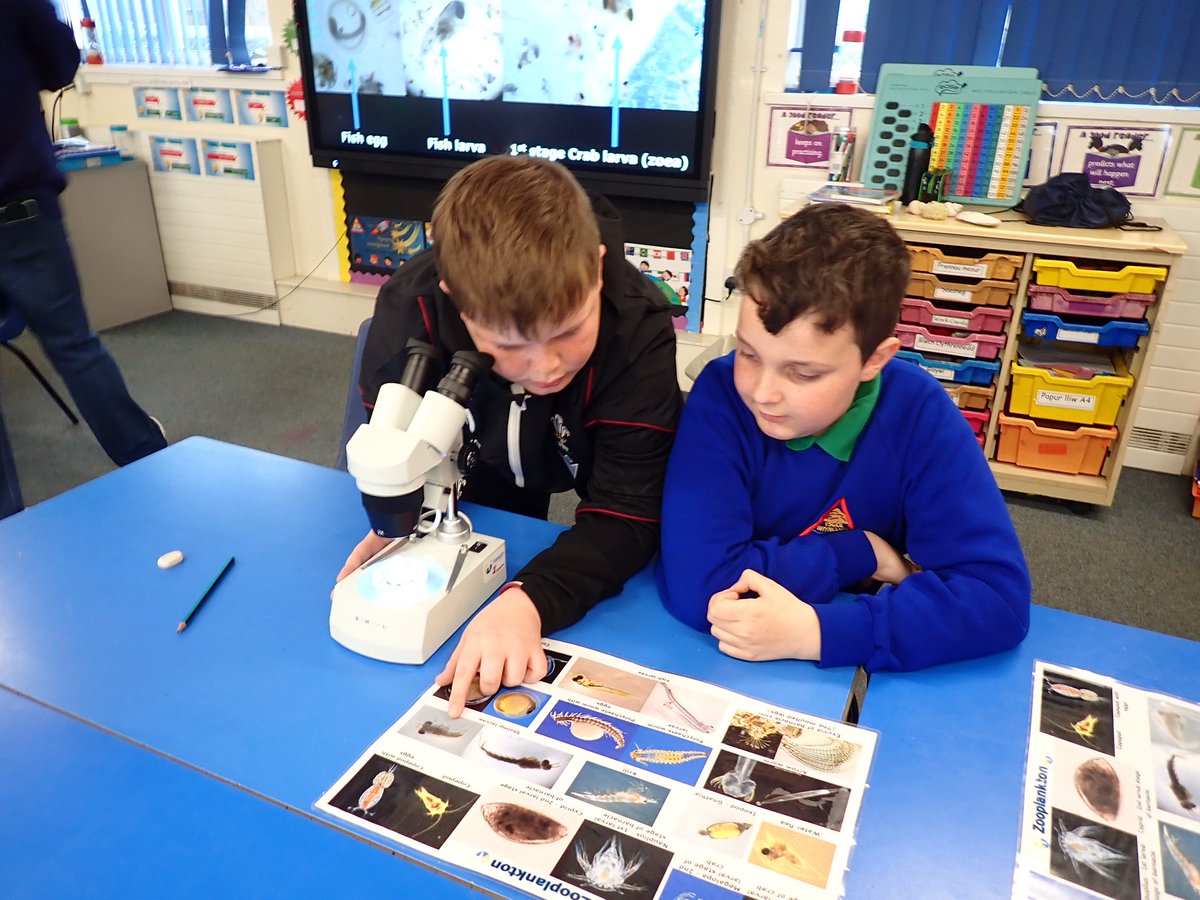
(977, 218)
(167, 560)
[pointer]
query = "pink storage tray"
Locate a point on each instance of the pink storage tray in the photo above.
(1109, 306)
(970, 346)
(977, 420)
(991, 319)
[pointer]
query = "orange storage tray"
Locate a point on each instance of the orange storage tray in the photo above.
(937, 261)
(988, 292)
(1071, 451)
(970, 396)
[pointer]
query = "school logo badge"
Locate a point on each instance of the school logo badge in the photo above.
(836, 518)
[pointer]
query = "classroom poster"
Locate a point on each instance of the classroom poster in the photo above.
(157, 103)
(211, 105)
(1111, 786)
(379, 246)
(1184, 178)
(1128, 159)
(228, 159)
(174, 154)
(265, 108)
(799, 137)
(605, 779)
(670, 268)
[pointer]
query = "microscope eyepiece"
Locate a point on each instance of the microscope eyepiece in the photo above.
(465, 369)
(422, 362)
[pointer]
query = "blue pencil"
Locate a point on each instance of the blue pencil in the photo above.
(204, 596)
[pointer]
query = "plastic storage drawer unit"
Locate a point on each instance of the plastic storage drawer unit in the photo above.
(1104, 306)
(989, 319)
(966, 345)
(1110, 334)
(1086, 401)
(983, 293)
(1128, 279)
(1078, 451)
(937, 261)
(969, 371)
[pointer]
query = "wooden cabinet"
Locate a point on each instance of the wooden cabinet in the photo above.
(1101, 290)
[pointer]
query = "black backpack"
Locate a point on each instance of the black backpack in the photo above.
(1070, 199)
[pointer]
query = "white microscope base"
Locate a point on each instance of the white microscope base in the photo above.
(407, 624)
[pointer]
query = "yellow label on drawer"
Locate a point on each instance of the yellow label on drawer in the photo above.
(945, 268)
(945, 293)
(970, 350)
(1064, 400)
(950, 321)
(1079, 337)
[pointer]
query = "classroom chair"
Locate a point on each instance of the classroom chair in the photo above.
(355, 414)
(12, 324)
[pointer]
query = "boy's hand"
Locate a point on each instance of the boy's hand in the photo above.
(890, 566)
(503, 644)
(367, 547)
(774, 625)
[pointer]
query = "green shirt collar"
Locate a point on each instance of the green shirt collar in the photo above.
(838, 439)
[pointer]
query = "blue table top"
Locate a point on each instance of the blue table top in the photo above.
(943, 809)
(90, 815)
(255, 691)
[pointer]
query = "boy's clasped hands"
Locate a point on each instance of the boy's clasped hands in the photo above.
(758, 619)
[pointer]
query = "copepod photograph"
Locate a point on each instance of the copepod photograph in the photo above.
(1094, 786)
(404, 801)
(515, 756)
(616, 792)
(713, 825)
(1181, 861)
(432, 726)
(612, 864)
(517, 828)
(1077, 711)
(1094, 856)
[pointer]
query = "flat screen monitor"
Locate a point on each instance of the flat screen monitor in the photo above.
(620, 91)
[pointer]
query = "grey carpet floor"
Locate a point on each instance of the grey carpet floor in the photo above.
(283, 390)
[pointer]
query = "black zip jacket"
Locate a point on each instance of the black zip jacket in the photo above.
(607, 434)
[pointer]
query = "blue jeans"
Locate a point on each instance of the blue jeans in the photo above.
(38, 278)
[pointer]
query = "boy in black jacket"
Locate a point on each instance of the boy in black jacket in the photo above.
(583, 394)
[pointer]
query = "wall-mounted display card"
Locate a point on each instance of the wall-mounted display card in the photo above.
(1128, 159)
(228, 159)
(174, 154)
(209, 105)
(267, 108)
(1184, 178)
(803, 138)
(157, 103)
(1041, 153)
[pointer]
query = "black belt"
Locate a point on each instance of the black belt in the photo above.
(18, 210)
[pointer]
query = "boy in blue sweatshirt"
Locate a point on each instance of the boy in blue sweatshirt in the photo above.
(809, 461)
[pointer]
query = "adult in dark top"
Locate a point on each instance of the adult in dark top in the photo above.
(37, 273)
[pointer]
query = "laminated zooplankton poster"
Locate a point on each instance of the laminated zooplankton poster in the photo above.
(609, 780)
(1111, 791)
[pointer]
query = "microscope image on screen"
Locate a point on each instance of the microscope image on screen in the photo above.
(521, 51)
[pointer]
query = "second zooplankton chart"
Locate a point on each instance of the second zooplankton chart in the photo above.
(607, 779)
